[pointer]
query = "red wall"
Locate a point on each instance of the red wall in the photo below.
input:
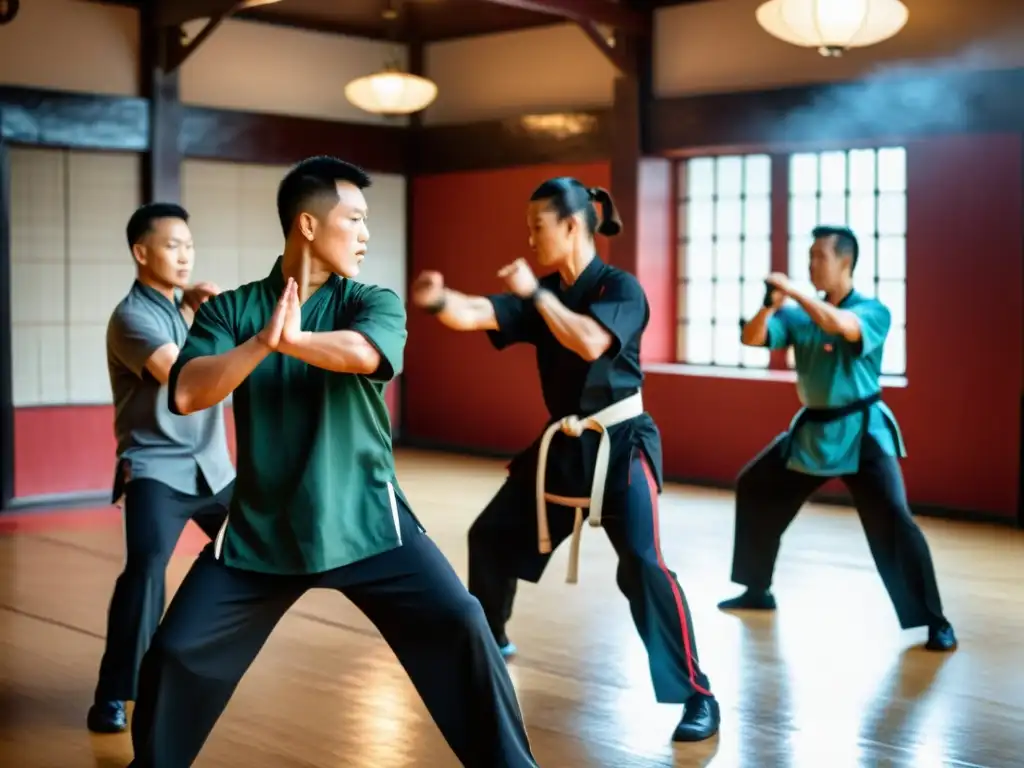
(960, 411)
(67, 449)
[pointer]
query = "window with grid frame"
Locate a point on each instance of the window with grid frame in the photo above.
(866, 190)
(724, 255)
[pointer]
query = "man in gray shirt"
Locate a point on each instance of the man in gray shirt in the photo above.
(169, 468)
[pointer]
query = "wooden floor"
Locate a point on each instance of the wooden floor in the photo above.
(829, 681)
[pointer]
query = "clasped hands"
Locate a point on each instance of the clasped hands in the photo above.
(284, 329)
(428, 288)
(780, 288)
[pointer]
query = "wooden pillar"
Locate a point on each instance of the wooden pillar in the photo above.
(413, 147)
(6, 362)
(644, 191)
(161, 164)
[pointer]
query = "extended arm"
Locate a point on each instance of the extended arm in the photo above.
(467, 313)
(580, 333)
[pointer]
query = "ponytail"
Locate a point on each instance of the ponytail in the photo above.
(568, 197)
(610, 224)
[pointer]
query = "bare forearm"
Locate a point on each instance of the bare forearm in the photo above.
(829, 318)
(338, 351)
(583, 335)
(755, 330)
(467, 313)
(205, 381)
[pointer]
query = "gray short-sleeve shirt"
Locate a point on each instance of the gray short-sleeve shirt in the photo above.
(188, 453)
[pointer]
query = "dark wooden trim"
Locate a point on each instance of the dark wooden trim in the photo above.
(879, 108)
(249, 137)
(38, 117)
(619, 15)
(417, 66)
(1020, 463)
(161, 163)
(6, 364)
(513, 142)
(73, 120)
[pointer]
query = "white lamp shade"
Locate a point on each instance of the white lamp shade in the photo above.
(391, 93)
(832, 24)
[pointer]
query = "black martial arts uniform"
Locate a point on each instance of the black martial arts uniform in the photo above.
(503, 541)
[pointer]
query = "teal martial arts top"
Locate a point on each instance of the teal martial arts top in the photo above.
(835, 375)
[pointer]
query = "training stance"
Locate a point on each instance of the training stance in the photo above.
(308, 352)
(600, 455)
(844, 430)
(169, 468)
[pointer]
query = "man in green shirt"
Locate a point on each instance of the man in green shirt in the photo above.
(316, 503)
(844, 430)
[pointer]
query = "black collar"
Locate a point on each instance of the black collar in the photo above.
(588, 279)
(847, 298)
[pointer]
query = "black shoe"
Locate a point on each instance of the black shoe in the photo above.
(751, 600)
(107, 717)
(701, 718)
(941, 638)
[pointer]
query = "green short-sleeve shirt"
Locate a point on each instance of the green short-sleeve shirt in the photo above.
(831, 373)
(316, 486)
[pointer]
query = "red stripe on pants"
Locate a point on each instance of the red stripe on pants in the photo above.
(677, 593)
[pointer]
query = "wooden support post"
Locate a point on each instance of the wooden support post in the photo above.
(643, 190)
(161, 163)
(6, 361)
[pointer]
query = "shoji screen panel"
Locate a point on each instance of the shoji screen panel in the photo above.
(70, 267)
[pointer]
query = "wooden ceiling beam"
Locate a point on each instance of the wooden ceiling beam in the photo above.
(618, 15)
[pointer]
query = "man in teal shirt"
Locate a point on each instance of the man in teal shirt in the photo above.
(844, 430)
(316, 503)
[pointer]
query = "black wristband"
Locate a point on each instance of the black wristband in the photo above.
(768, 291)
(438, 306)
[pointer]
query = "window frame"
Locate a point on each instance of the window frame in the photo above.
(680, 239)
(779, 197)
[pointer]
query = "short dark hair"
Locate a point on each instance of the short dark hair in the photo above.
(314, 177)
(141, 222)
(567, 197)
(846, 242)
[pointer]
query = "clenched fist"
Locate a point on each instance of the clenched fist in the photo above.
(519, 278)
(428, 289)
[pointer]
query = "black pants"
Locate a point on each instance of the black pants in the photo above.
(154, 517)
(503, 549)
(768, 496)
(221, 616)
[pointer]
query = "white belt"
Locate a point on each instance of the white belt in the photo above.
(574, 426)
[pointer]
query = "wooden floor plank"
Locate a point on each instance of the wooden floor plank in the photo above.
(829, 681)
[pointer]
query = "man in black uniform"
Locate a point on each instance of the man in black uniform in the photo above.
(586, 320)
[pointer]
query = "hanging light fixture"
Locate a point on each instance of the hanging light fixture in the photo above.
(391, 92)
(832, 26)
